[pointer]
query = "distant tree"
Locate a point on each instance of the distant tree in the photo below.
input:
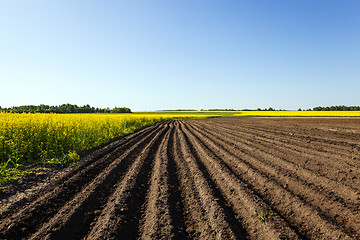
(120, 110)
(337, 108)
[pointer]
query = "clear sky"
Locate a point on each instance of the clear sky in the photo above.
(180, 54)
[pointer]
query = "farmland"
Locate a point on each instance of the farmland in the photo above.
(38, 138)
(218, 178)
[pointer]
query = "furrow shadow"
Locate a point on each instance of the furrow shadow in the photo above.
(136, 199)
(176, 205)
(230, 216)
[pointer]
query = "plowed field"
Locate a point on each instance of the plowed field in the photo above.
(226, 178)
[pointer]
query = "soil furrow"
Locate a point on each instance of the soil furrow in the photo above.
(321, 183)
(74, 219)
(297, 134)
(315, 160)
(205, 217)
(176, 202)
(268, 185)
(157, 222)
(252, 157)
(230, 216)
(250, 208)
(121, 215)
(299, 129)
(325, 137)
(30, 218)
(325, 204)
(300, 144)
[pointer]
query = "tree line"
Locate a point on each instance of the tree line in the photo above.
(64, 108)
(337, 108)
(320, 108)
(258, 109)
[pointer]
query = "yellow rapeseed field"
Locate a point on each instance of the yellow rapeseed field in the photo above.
(32, 138)
(299, 113)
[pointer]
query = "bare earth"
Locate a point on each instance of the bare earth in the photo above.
(226, 178)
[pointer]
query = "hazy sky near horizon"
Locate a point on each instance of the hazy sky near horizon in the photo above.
(180, 54)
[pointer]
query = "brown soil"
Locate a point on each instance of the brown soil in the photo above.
(226, 178)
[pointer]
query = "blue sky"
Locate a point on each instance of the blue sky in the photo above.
(184, 54)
